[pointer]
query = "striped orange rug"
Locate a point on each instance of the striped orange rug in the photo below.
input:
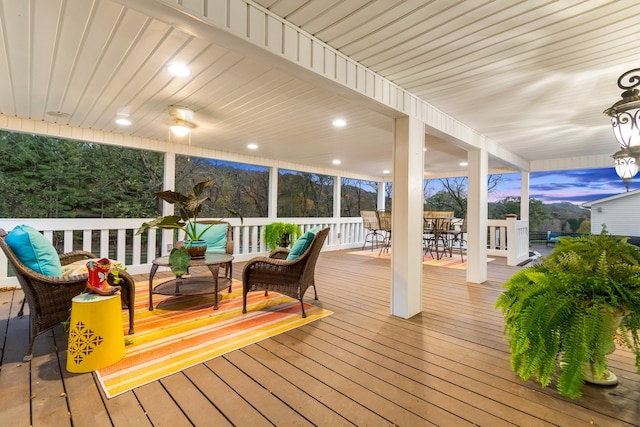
(184, 331)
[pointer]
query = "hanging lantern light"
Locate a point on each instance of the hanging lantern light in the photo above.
(625, 121)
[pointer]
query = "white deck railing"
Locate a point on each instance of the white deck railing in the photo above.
(116, 238)
(508, 238)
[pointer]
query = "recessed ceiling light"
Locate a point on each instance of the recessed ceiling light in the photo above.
(252, 146)
(464, 164)
(424, 149)
(123, 121)
(179, 70)
(386, 171)
(339, 123)
(336, 162)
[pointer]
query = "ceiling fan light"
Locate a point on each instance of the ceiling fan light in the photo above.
(180, 130)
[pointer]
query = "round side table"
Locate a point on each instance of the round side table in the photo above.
(96, 336)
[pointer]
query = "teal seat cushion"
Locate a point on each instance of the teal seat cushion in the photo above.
(301, 245)
(216, 237)
(34, 250)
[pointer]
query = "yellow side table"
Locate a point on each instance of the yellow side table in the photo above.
(96, 337)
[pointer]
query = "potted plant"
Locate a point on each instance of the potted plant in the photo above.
(566, 311)
(281, 234)
(189, 206)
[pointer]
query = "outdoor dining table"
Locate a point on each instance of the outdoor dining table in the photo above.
(438, 228)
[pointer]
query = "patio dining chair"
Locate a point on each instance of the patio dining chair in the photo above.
(384, 219)
(49, 297)
(456, 237)
(370, 222)
(437, 224)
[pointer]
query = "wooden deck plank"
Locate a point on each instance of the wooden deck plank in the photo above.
(438, 368)
(287, 392)
(49, 399)
(402, 390)
(255, 394)
(351, 410)
(15, 382)
(126, 411)
(414, 376)
(385, 407)
(84, 398)
(229, 403)
(194, 404)
(448, 365)
(161, 409)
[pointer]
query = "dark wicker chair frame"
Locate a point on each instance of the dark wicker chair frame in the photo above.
(275, 273)
(49, 298)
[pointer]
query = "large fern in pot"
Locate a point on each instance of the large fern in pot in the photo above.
(566, 310)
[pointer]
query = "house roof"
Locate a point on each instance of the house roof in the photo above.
(610, 198)
(526, 80)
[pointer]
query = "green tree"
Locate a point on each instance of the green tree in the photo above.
(46, 177)
(585, 227)
(302, 194)
(453, 195)
(511, 205)
(357, 195)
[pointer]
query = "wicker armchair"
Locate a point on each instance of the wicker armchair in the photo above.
(291, 278)
(49, 298)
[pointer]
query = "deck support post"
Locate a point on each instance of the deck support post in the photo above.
(406, 220)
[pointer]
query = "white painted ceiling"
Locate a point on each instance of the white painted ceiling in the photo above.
(534, 76)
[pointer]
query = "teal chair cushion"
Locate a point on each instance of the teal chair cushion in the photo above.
(301, 245)
(216, 237)
(34, 250)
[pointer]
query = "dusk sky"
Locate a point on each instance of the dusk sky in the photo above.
(574, 186)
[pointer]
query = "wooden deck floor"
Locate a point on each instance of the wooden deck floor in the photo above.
(448, 366)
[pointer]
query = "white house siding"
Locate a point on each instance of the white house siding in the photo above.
(620, 214)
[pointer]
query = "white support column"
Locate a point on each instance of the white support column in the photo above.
(524, 198)
(337, 210)
(381, 196)
(273, 194)
(406, 223)
(337, 199)
(169, 183)
(477, 213)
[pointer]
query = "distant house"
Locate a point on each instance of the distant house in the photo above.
(620, 213)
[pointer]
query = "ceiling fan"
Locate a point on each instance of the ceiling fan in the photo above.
(182, 120)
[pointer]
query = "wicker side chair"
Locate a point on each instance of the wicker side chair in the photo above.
(49, 298)
(275, 273)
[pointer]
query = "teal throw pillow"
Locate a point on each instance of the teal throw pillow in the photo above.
(216, 237)
(34, 250)
(301, 245)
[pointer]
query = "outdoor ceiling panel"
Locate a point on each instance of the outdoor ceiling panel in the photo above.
(533, 77)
